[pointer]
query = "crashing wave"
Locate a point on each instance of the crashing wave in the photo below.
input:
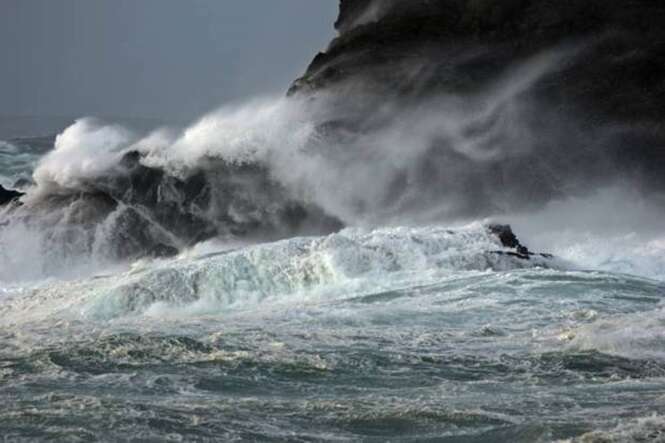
(353, 259)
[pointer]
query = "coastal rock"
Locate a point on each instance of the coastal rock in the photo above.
(8, 195)
(509, 239)
(575, 103)
(136, 210)
(624, 39)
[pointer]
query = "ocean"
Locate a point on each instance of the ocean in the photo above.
(382, 333)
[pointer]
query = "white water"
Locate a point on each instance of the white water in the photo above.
(357, 263)
(411, 298)
(352, 262)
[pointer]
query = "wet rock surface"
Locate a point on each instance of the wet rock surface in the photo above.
(136, 210)
(8, 195)
(509, 240)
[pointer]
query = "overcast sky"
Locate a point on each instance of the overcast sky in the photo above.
(169, 59)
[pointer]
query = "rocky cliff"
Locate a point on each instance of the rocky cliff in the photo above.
(594, 113)
(458, 44)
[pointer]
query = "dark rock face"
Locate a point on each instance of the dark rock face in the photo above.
(8, 195)
(136, 211)
(505, 235)
(222, 199)
(509, 240)
(387, 32)
(595, 113)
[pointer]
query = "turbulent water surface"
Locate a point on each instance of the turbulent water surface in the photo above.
(402, 333)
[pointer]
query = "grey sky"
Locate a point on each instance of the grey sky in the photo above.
(172, 59)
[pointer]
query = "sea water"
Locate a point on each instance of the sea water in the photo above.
(393, 333)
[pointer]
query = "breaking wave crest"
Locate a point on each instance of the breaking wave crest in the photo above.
(351, 262)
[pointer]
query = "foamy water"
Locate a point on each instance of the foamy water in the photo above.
(366, 334)
(410, 325)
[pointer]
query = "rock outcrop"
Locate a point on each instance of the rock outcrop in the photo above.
(509, 240)
(8, 195)
(458, 45)
(135, 210)
(594, 113)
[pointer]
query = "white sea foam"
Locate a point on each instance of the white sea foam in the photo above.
(614, 229)
(344, 265)
(638, 335)
(83, 151)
